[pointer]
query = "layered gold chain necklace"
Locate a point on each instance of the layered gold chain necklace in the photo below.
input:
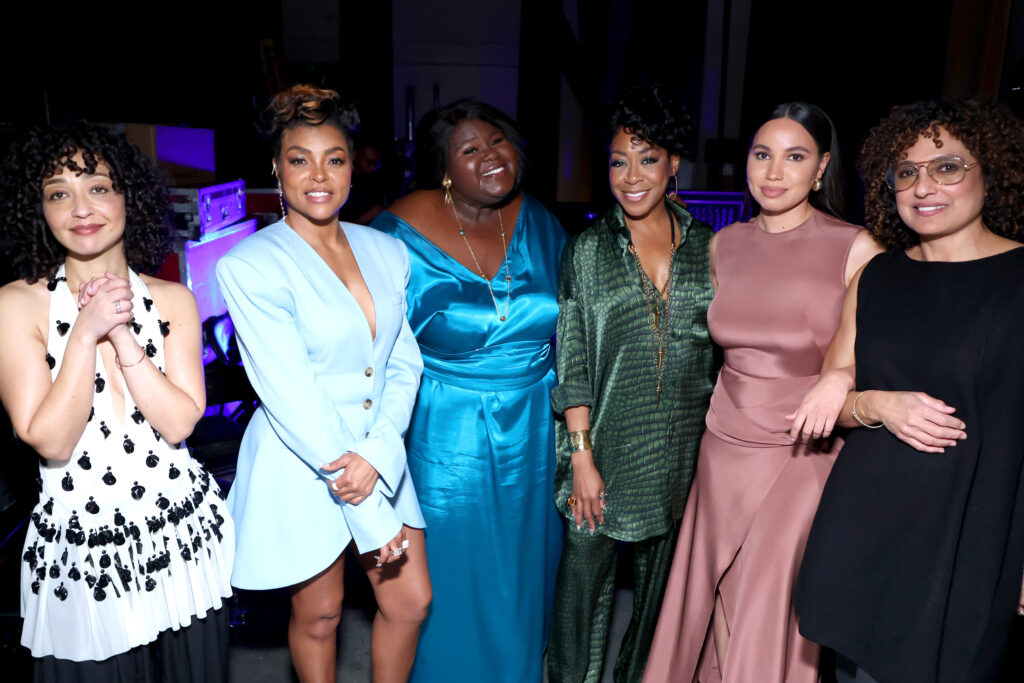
(658, 302)
(508, 276)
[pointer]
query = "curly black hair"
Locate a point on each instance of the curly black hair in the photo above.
(433, 138)
(653, 114)
(993, 134)
(43, 152)
(306, 105)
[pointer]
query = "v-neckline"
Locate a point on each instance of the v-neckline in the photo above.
(124, 415)
(373, 300)
(475, 276)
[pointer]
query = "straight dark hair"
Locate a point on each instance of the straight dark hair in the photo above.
(816, 122)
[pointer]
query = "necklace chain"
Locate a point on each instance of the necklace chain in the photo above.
(658, 303)
(508, 276)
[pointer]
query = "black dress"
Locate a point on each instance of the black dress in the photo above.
(914, 563)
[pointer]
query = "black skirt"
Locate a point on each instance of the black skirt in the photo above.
(197, 653)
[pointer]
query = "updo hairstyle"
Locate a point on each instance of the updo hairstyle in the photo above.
(433, 138)
(305, 105)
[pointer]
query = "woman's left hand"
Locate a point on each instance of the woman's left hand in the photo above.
(817, 414)
(356, 482)
(393, 551)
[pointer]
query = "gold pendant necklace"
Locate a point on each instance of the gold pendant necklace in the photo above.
(658, 303)
(508, 276)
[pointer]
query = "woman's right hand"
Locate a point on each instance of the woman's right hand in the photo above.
(100, 299)
(920, 420)
(587, 490)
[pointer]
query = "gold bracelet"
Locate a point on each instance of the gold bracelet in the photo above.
(117, 360)
(580, 441)
(857, 417)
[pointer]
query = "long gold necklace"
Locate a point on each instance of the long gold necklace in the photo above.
(508, 276)
(658, 302)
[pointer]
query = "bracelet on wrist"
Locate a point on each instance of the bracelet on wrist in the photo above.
(580, 441)
(856, 417)
(121, 366)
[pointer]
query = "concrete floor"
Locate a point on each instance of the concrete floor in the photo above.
(272, 663)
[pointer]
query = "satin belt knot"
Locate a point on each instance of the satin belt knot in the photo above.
(502, 367)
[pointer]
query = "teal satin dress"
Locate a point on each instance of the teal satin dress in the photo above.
(481, 452)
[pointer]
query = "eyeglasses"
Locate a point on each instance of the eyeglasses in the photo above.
(945, 170)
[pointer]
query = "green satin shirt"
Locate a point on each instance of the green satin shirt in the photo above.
(644, 449)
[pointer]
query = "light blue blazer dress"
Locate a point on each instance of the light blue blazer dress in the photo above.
(326, 387)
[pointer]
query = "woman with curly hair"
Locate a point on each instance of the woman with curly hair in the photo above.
(913, 565)
(779, 284)
(482, 305)
(319, 308)
(129, 551)
(634, 376)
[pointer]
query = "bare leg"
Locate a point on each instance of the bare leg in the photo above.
(313, 628)
(403, 596)
(720, 627)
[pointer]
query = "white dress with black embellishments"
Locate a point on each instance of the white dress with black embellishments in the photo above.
(130, 536)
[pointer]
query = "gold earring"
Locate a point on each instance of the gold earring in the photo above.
(446, 183)
(817, 184)
(675, 188)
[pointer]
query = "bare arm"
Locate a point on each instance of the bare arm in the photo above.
(49, 416)
(173, 400)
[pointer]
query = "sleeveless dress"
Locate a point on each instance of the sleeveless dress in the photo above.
(481, 452)
(130, 536)
(755, 492)
(913, 565)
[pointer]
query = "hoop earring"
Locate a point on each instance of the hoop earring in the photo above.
(280, 200)
(675, 188)
(446, 183)
(817, 185)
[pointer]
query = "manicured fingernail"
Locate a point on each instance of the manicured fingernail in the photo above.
(405, 544)
(592, 532)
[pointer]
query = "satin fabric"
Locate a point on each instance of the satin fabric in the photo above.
(481, 452)
(755, 491)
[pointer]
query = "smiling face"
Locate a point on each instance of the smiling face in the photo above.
(84, 212)
(638, 173)
(933, 210)
(782, 165)
(315, 173)
(482, 163)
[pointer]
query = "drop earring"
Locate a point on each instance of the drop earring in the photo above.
(446, 183)
(817, 184)
(280, 192)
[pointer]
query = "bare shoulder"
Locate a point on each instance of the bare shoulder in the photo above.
(24, 314)
(20, 300)
(864, 248)
(174, 299)
(415, 206)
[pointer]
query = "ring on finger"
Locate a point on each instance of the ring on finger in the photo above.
(117, 305)
(571, 501)
(397, 552)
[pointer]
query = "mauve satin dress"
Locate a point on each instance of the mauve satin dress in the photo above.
(755, 492)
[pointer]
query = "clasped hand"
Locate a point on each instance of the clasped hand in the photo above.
(357, 481)
(105, 305)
